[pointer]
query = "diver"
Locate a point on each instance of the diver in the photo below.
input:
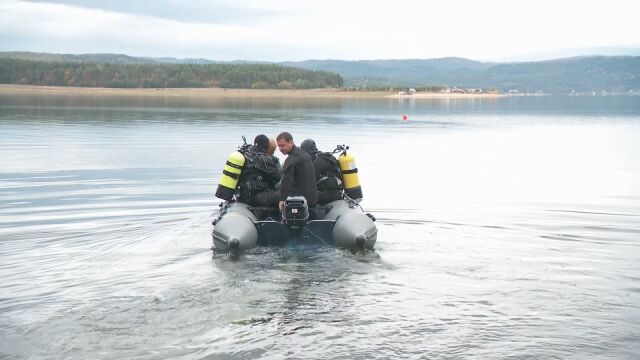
(298, 176)
(329, 180)
(257, 182)
(271, 150)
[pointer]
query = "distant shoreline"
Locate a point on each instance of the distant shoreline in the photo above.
(220, 92)
(444, 96)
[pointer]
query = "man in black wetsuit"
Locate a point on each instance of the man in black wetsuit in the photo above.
(328, 175)
(298, 176)
(259, 176)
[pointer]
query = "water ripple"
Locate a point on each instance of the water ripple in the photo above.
(509, 248)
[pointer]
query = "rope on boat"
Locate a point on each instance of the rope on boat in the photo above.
(317, 237)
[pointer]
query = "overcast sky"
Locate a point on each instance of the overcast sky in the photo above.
(277, 30)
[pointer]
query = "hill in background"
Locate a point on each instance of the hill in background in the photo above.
(161, 75)
(579, 74)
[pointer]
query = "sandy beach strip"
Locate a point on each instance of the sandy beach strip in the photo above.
(222, 93)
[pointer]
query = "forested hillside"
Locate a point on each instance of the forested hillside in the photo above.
(579, 74)
(150, 75)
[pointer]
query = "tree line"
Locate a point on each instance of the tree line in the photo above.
(256, 76)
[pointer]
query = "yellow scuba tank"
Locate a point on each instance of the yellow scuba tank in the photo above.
(350, 175)
(230, 175)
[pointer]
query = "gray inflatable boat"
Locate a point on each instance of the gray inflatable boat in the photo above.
(341, 223)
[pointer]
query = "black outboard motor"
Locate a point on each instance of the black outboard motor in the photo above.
(296, 212)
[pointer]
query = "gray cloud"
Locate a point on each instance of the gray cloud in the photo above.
(294, 30)
(200, 11)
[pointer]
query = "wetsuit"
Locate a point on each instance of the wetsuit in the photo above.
(298, 177)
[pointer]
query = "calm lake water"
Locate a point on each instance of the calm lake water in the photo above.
(508, 228)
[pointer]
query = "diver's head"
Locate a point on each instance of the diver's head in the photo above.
(309, 146)
(272, 146)
(285, 142)
(261, 142)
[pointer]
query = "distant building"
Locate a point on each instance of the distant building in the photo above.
(474, 91)
(412, 91)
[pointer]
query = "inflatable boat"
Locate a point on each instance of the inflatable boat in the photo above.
(341, 223)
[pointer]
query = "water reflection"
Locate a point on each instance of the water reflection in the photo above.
(507, 228)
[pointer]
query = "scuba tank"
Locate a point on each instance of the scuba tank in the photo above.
(231, 173)
(230, 176)
(349, 173)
